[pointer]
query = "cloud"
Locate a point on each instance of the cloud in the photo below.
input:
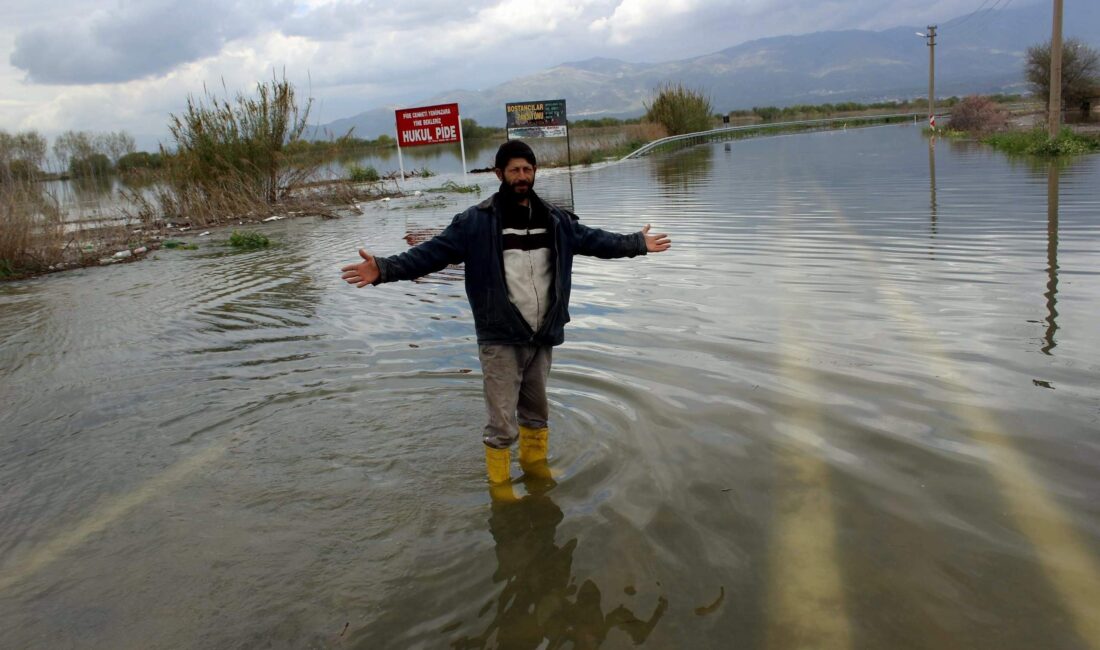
(136, 40)
(328, 22)
(634, 18)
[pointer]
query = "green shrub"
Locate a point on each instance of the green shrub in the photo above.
(139, 160)
(680, 110)
(766, 113)
(359, 174)
(1038, 143)
(248, 240)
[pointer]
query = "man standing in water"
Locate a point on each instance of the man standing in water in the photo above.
(518, 251)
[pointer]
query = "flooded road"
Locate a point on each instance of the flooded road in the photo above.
(857, 405)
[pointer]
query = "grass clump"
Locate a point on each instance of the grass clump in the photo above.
(451, 186)
(1038, 143)
(248, 240)
(360, 174)
(946, 132)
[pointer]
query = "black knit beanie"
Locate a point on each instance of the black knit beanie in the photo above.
(514, 149)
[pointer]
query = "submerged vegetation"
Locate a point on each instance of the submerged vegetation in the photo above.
(248, 240)
(452, 187)
(1038, 143)
(360, 174)
(982, 119)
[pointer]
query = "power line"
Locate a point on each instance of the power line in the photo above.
(963, 19)
(985, 18)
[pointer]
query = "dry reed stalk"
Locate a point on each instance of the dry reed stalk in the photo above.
(31, 229)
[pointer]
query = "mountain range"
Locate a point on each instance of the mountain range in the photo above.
(974, 54)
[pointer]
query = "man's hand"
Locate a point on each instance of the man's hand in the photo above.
(657, 242)
(365, 272)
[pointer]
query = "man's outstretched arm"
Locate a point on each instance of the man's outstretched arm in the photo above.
(420, 260)
(609, 245)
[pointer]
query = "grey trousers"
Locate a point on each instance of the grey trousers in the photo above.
(515, 390)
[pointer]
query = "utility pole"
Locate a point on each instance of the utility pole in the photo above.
(931, 36)
(932, 76)
(1054, 118)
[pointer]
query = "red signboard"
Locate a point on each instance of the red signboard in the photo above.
(427, 125)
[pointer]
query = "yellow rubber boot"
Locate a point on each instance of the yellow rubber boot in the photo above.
(498, 462)
(533, 445)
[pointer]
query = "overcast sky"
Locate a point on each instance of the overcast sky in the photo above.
(105, 65)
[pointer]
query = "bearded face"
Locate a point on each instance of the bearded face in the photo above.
(517, 178)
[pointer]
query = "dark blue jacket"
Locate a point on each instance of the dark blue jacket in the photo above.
(474, 238)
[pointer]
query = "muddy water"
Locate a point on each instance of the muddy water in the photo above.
(856, 406)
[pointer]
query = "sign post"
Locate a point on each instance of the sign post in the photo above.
(440, 124)
(545, 118)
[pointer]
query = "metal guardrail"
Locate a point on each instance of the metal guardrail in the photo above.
(702, 136)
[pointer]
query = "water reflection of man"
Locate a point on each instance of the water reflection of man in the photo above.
(518, 250)
(540, 600)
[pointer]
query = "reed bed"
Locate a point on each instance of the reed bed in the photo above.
(32, 233)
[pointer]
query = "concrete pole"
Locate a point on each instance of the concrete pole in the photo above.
(932, 76)
(1054, 118)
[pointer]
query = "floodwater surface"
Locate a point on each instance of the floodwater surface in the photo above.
(856, 405)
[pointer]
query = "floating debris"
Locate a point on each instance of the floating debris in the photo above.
(713, 607)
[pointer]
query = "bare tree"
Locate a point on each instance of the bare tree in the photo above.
(115, 145)
(30, 147)
(73, 145)
(1080, 71)
(22, 154)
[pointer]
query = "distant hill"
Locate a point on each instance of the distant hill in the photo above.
(980, 55)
